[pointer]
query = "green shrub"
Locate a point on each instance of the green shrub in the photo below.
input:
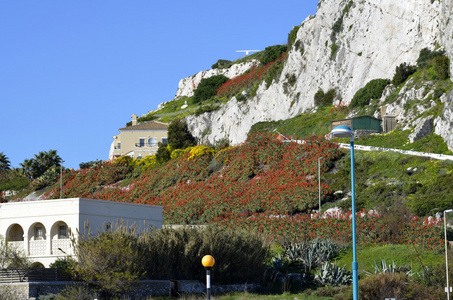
(442, 67)
(326, 99)
(177, 253)
(398, 286)
(221, 63)
(292, 36)
(271, 53)
(372, 90)
(207, 87)
(205, 109)
(333, 49)
(433, 197)
(426, 55)
(90, 164)
(402, 72)
(48, 178)
(179, 136)
(111, 261)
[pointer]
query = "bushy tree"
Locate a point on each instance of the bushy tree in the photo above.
(326, 99)
(442, 67)
(402, 72)
(271, 53)
(207, 87)
(179, 136)
(426, 55)
(111, 261)
(163, 154)
(372, 90)
(89, 164)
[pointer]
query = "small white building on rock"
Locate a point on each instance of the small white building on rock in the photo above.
(42, 228)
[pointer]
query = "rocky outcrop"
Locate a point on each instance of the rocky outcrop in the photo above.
(373, 38)
(187, 85)
(423, 128)
(443, 125)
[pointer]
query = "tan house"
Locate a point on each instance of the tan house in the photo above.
(139, 140)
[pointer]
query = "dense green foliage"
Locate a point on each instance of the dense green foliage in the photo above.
(271, 53)
(221, 63)
(402, 72)
(5, 165)
(442, 67)
(179, 136)
(303, 125)
(37, 166)
(426, 56)
(208, 87)
(292, 36)
(111, 261)
(326, 99)
(114, 260)
(89, 164)
(372, 90)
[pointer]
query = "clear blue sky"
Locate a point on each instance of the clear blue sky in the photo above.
(73, 72)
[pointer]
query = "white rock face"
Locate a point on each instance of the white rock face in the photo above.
(187, 85)
(375, 37)
(443, 125)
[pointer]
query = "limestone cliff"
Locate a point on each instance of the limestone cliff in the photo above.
(347, 44)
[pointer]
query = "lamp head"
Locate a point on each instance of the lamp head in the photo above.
(448, 211)
(342, 131)
(208, 261)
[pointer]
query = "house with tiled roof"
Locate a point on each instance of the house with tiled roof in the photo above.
(139, 139)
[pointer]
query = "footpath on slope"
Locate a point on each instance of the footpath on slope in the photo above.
(409, 152)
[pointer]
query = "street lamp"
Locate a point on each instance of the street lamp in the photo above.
(61, 179)
(343, 132)
(208, 262)
(319, 182)
(446, 256)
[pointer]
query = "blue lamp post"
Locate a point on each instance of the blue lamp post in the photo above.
(341, 132)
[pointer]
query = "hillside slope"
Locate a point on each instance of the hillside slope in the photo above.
(347, 44)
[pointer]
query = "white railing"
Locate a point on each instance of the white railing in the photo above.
(63, 244)
(38, 247)
(19, 245)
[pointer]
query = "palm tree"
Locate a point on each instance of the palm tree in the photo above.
(5, 165)
(27, 167)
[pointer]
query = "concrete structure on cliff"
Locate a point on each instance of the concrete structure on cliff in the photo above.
(42, 228)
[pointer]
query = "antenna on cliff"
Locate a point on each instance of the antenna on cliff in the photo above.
(247, 51)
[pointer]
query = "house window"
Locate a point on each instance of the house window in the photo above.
(164, 140)
(39, 233)
(118, 145)
(152, 141)
(141, 142)
(63, 231)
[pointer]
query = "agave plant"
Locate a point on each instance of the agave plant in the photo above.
(384, 268)
(331, 274)
(311, 254)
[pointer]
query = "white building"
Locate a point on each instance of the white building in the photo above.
(41, 228)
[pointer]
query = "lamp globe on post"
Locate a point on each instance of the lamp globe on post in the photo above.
(346, 132)
(208, 262)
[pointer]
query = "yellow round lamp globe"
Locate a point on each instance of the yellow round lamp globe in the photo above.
(208, 261)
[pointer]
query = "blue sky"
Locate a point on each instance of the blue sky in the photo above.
(73, 72)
